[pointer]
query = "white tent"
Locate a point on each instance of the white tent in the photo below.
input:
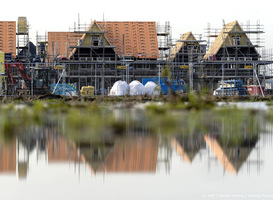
(151, 88)
(136, 88)
(120, 88)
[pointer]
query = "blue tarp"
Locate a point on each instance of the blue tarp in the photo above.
(64, 89)
(175, 85)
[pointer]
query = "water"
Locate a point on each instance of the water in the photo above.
(44, 162)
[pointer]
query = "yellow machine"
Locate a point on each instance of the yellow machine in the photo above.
(3, 86)
(87, 91)
(22, 26)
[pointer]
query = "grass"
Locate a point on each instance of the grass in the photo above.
(82, 120)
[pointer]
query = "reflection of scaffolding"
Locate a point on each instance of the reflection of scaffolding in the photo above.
(164, 38)
(164, 155)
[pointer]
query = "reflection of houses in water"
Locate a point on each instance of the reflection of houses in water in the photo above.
(231, 157)
(125, 155)
(12, 159)
(187, 146)
(14, 156)
(134, 155)
(60, 150)
(93, 153)
(22, 159)
(32, 139)
(137, 155)
(131, 155)
(8, 157)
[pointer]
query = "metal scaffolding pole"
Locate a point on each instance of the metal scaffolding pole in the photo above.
(191, 75)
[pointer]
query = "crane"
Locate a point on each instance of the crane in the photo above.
(40, 79)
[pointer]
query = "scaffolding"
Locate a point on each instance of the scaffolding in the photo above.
(95, 62)
(23, 53)
(90, 67)
(23, 44)
(90, 60)
(164, 38)
(86, 57)
(239, 57)
(42, 47)
(252, 31)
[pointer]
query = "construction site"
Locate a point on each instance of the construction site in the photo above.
(98, 54)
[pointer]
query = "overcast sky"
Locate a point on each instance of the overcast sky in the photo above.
(184, 16)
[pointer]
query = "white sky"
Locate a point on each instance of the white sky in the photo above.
(184, 16)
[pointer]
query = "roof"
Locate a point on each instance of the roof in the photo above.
(8, 37)
(137, 39)
(25, 51)
(224, 38)
(140, 38)
(182, 42)
(86, 37)
(58, 42)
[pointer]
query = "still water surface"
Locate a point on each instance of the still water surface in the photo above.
(48, 164)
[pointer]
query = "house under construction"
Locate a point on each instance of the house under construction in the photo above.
(101, 53)
(232, 55)
(109, 51)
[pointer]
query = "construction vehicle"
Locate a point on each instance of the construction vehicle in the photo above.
(39, 75)
(230, 88)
